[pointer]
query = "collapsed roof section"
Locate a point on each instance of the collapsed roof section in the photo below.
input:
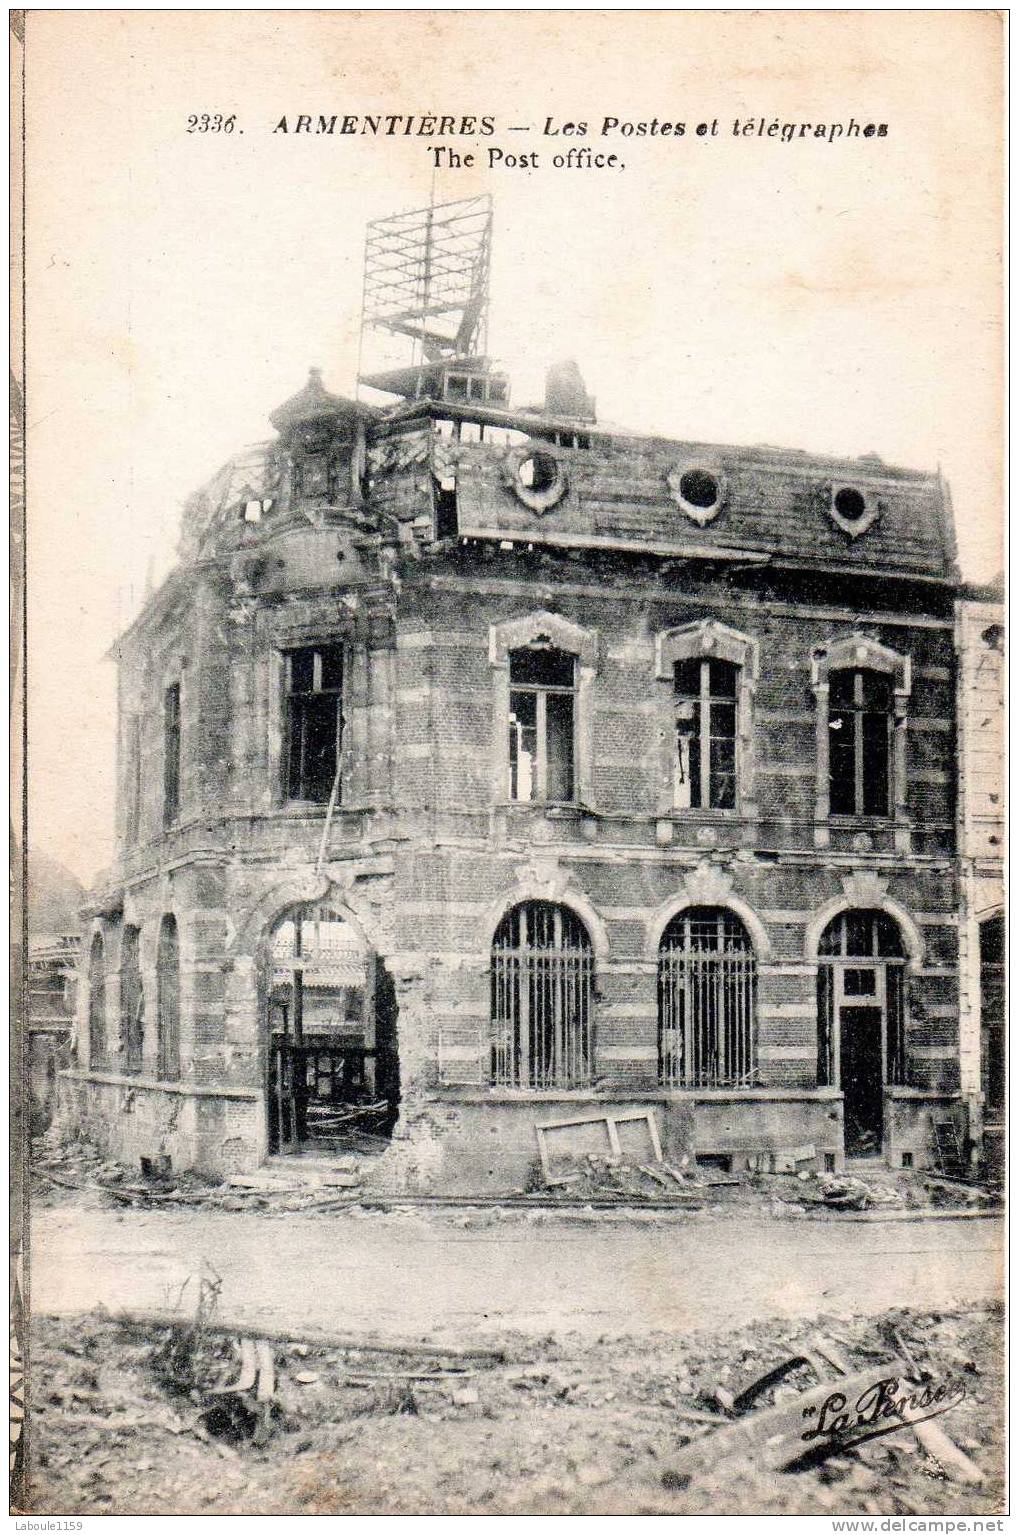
(554, 476)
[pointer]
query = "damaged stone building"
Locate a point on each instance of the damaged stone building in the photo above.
(494, 766)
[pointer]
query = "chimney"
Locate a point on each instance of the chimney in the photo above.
(565, 394)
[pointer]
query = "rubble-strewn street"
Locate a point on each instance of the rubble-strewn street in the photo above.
(509, 1359)
(571, 1424)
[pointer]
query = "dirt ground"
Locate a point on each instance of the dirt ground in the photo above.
(564, 1425)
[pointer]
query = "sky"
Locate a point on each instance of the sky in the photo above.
(840, 294)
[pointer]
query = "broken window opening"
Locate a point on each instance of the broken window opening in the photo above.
(444, 498)
(707, 990)
(132, 822)
(542, 1006)
(132, 1004)
(314, 722)
(168, 1001)
(859, 727)
(706, 692)
(313, 476)
(97, 1003)
(539, 472)
(171, 754)
(542, 725)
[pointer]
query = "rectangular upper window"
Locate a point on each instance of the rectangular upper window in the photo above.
(859, 741)
(706, 693)
(313, 685)
(171, 754)
(541, 724)
(133, 777)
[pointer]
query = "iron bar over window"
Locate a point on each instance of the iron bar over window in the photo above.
(705, 764)
(314, 721)
(542, 998)
(132, 1025)
(168, 1001)
(859, 727)
(171, 754)
(97, 1003)
(861, 963)
(707, 984)
(541, 724)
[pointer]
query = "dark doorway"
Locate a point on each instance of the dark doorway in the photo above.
(332, 1067)
(860, 1070)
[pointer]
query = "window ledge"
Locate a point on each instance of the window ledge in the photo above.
(865, 822)
(555, 810)
(722, 817)
(921, 1094)
(621, 1092)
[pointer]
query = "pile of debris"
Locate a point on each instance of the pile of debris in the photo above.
(856, 1194)
(622, 1179)
(79, 1166)
(134, 1412)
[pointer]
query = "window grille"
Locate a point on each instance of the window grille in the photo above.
(542, 998)
(707, 986)
(168, 1002)
(706, 721)
(541, 724)
(859, 728)
(314, 721)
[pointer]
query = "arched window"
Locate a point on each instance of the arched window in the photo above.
(97, 1003)
(707, 984)
(542, 998)
(861, 1023)
(132, 1005)
(859, 731)
(168, 1002)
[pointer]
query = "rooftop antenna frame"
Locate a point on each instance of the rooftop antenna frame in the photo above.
(426, 280)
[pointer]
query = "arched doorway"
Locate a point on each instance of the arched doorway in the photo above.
(861, 1020)
(707, 987)
(331, 1032)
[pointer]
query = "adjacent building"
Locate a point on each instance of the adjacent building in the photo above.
(980, 644)
(51, 980)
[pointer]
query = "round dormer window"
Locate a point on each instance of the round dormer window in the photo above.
(536, 475)
(697, 490)
(850, 504)
(853, 510)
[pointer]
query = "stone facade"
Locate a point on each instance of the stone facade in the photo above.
(429, 545)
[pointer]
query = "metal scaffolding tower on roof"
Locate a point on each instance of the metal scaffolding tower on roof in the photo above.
(426, 280)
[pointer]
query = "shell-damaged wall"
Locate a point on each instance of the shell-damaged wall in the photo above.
(425, 851)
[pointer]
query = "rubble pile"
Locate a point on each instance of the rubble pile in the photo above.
(594, 1183)
(134, 1417)
(624, 1179)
